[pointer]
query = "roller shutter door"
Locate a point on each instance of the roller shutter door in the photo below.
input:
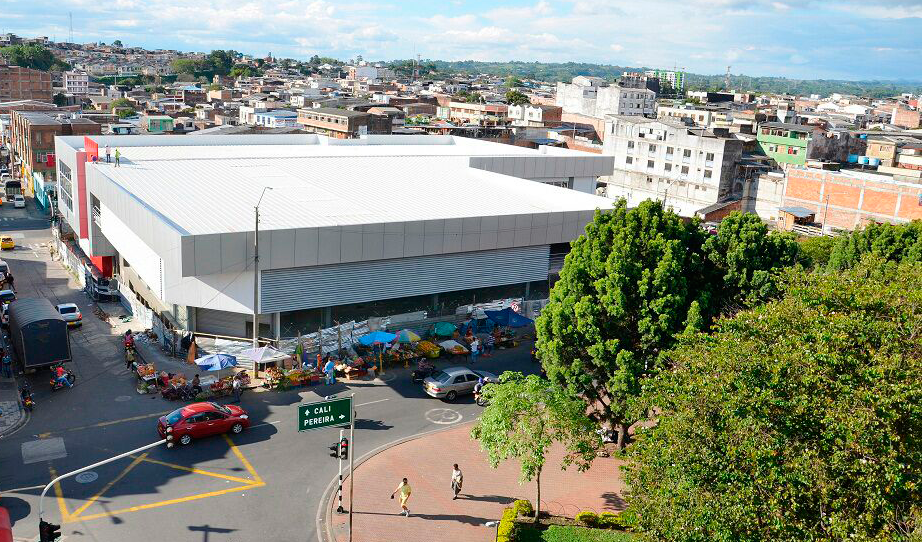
(358, 282)
(218, 322)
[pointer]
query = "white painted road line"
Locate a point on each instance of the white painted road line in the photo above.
(372, 402)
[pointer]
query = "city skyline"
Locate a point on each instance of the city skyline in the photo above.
(842, 39)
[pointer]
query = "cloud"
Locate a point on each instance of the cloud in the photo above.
(616, 47)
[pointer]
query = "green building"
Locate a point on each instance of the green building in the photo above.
(785, 143)
(157, 124)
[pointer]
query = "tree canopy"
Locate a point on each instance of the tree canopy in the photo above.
(796, 420)
(525, 415)
(33, 56)
(515, 97)
(888, 241)
(635, 281)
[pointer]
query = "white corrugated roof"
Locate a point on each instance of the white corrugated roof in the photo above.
(217, 194)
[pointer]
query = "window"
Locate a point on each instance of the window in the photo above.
(652, 148)
(649, 179)
(650, 164)
(792, 150)
(629, 160)
(669, 151)
(65, 185)
(707, 174)
(686, 153)
(709, 156)
(668, 167)
(630, 144)
(684, 170)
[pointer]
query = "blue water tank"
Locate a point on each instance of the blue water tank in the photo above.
(852, 158)
(874, 161)
(863, 136)
(863, 160)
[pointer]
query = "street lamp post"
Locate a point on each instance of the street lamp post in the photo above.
(256, 271)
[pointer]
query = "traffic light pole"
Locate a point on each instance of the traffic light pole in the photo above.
(339, 492)
(351, 461)
(41, 500)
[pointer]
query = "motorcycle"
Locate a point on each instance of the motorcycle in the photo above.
(25, 393)
(55, 385)
(424, 370)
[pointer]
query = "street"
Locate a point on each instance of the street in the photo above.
(265, 484)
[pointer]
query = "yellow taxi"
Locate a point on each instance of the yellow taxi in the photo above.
(7, 243)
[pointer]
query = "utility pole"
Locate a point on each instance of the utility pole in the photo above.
(351, 461)
(256, 271)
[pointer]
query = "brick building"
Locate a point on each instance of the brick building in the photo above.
(17, 83)
(32, 137)
(849, 199)
(906, 118)
(342, 123)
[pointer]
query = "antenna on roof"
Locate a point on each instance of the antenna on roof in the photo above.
(727, 79)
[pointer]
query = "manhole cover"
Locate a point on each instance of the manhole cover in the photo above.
(123, 398)
(86, 477)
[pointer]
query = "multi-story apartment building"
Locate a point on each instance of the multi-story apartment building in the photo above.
(594, 97)
(279, 118)
(475, 113)
(699, 117)
(673, 79)
(76, 82)
(342, 123)
(536, 116)
(785, 143)
(32, 136)
(18, 83)
(659, 159)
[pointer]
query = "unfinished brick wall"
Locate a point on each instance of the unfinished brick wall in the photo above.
(850, 201)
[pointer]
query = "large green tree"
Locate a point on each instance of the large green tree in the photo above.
(524, 417)
(220, 62)
(891, 242)
(32, 56)
(516, 97)
(748, 257)
(626, 289)
(797, 420)
(186, 65)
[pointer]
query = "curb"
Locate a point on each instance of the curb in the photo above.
(23, 419)
(325, 511)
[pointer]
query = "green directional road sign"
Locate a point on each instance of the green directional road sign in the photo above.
(331, 413)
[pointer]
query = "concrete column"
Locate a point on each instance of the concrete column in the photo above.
(327, 317)
(277, 324)
(434, 302)
(527, 290)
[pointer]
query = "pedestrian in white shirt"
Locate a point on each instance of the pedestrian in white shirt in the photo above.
(457, 480)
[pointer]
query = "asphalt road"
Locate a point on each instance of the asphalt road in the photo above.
(265, 484)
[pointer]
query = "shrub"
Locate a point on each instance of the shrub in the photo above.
(506, 530)
(609, 520)
(588, 518)
(523, 508)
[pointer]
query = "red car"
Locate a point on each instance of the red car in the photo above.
(202, 420)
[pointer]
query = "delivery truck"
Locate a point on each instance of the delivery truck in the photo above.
(38, 333)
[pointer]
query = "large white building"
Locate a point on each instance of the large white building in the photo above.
(348, 228)
(594, 97)
(76, 82)
(659, 159)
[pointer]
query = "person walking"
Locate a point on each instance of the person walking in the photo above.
(488, 345)
(107, 153)
(238, 389)
(457, 479)
(7, 364)
(330, 370)
(475, 349)
(118, 155)
(405, 491)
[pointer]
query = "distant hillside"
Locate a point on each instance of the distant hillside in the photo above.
(553, 72)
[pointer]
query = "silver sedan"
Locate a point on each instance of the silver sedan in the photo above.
(454, 381)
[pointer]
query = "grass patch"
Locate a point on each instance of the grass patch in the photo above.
(558, 533)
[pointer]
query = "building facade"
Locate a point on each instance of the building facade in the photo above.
(785, 143)
(351, 228)
(32, 137)
(535, 116)
(667, 78)
(594, 97)
(342, 123)
(277, 119)
(77, 83)
(661, 160)
(850, 199)
(17, 83)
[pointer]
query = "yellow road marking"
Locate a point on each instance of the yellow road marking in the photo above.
(108, 486)
(65, 515)
(169, 502)
(255, 482)
(199, 471)
(242, 459)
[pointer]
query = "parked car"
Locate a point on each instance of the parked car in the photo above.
(200, 420)
(7, 243)
(71, 314)
(19, 202)
(449, 383)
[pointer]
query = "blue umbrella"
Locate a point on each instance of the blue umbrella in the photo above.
(216, 362)
(377, 337)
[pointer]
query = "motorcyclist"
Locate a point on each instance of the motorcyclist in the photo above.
(61, 377)
(478, 388)
(129, 339)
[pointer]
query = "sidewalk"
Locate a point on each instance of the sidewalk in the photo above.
(13, 414)
(427, 463)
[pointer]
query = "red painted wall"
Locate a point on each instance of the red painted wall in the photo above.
(103, 264)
